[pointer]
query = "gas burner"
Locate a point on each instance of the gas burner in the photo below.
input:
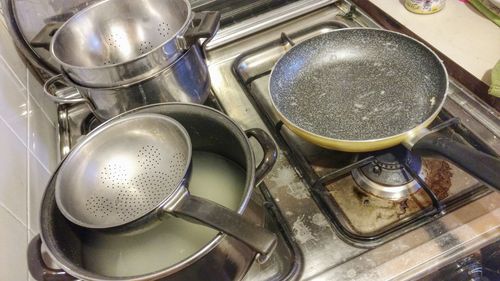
(387, 176)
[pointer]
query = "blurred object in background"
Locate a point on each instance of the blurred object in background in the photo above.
(424, 6)
(489, 8)
(495, 81)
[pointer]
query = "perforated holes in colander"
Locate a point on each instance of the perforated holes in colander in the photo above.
(141, 193)
(151, 186)
(131, 200)
(145, 47)
(177, 163)
(149, 157)
(113, 42)
(113, 176)
(164, 29)
(98, 206)
(144, 192)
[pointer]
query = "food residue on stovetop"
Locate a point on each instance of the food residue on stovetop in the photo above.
(368, 214)
(438, 177)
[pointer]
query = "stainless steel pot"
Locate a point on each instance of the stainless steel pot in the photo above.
(186, 80)
(150, 181)
(223, 258)
(116, 42)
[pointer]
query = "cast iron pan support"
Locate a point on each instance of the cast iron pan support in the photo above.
(484, 166)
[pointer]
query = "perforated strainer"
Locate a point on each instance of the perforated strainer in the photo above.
(118, 42)
(129, 172)
(123, 171)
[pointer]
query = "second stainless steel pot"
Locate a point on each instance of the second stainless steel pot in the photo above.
(114, 42)
(186, 80)
(223, 258)
(145, 165)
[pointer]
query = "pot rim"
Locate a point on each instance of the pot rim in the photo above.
(84, 274)
(169, 68)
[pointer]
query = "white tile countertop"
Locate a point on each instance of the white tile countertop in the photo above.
(459, 31)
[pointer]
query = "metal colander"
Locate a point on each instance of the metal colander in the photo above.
(120, 46)
(133, 170)
(118, 31)
(123, 170)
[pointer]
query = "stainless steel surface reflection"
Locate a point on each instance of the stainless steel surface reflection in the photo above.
(115, 42)
(186, 80)
(324, 255)
(284, 264)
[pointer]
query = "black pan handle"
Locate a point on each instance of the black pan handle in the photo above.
(37, 267)
(481, 165)
(228, 221)
(270, 153)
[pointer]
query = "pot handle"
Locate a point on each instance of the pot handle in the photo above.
(37, 267)
(270, 152)
(43, 38)
(205, 25)
(228, 221)
(75, 97)
(481, 165)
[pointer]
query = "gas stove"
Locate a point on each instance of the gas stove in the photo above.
(373, 197)
(344, 216)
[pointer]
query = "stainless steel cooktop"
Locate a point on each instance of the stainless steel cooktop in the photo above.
(330, 230)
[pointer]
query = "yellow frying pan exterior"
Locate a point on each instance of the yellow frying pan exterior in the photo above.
(358, 146)
(406, 138)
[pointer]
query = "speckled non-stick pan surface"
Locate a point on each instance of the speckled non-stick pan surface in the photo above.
(358, 84)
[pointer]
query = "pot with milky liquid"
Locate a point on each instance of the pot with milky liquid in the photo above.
(213, 135)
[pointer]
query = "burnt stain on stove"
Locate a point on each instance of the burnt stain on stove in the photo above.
(368, 214)
(438, 177)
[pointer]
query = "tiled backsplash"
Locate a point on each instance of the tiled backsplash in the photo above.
(28, 149)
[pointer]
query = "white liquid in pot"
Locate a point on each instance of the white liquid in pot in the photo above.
(214, 178)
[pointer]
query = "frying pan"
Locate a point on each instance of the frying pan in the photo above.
(362, 89)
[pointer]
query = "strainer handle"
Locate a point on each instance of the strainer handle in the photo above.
(49, 85)
(37, 267)
(205, 25)
(229, 222)
(270, 153)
